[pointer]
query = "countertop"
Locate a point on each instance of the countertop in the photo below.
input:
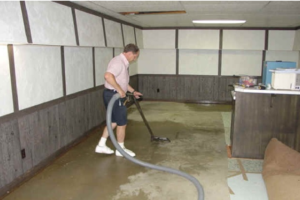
(270, 91)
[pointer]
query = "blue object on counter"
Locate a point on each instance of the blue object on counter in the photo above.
(267, 75)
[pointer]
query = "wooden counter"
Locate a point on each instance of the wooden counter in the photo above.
(259, 115)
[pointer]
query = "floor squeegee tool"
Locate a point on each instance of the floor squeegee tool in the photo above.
(153, 137)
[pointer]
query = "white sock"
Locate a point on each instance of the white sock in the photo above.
(121, 144)
(102, 142)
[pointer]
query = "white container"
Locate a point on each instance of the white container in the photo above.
(286, 79)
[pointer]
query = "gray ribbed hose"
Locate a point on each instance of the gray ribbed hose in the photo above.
(144, 164)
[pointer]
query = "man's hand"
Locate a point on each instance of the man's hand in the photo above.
(122, 93)
(137, 94)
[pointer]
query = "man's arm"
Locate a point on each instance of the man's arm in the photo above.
(110, 78)
(135, 93)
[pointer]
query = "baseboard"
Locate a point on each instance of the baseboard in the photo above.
(189, 101)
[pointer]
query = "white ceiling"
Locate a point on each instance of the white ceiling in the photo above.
(260, 14)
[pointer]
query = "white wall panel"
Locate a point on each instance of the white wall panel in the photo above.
(38, 74)
(241, 63)
(292, 56)
(154, 61)
(139, 38)
(244, 39)
(198, 39)
(198, 62)
(297, 40)
(133, 68)
(90, 29)
(50, 23)
(128, 34)
(113, 33)
(159, 39)
(11, 23)
(281, 40)
(118, 51)
(6, 102)
(79, 69)
(102, 58)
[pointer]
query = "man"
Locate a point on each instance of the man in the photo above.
(117, 81)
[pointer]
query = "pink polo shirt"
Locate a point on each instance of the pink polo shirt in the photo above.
(118, 66)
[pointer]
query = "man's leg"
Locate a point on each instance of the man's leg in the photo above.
(105, 131)
(101, 147)
(121, 130)
(121, 133)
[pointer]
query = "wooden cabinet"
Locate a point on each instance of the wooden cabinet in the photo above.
(258, 117)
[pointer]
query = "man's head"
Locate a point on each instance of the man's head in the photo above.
(131, 52)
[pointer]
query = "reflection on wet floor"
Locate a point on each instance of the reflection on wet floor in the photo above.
(197, 147)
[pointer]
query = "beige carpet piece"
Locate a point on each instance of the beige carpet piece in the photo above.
(281, 171)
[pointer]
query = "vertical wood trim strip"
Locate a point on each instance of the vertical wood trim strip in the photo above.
(177, 52)
(75, 26)
(135, 37)
(221, 39)
(265, 51)
(219, 82)
(266, 39)
(123, 35)
(176, 39)
(220, 63)
(10, 50)
(177, 61)
(26, 21)
(104, 33)
(220, 52)
(263, 61)
(62, 51)
(94, 67)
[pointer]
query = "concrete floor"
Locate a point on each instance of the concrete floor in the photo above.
(197, 147)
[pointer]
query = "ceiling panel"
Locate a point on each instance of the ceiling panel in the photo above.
(217, 7)
(94, 6)
(285, 7)
(127, 6)
(260, 14)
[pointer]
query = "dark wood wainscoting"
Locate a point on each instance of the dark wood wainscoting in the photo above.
(44, 134)
(187, 88)
(260, 117)
(297, 142)
(134, 82)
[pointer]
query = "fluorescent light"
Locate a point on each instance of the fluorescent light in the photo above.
(219, 21)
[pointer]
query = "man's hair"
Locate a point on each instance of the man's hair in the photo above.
(131, 48)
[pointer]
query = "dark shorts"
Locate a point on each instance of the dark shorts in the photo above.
(119, 112)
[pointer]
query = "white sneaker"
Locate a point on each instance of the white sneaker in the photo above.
(132, 154)
(103, 149)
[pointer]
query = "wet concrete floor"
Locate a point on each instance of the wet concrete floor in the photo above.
(197, 147)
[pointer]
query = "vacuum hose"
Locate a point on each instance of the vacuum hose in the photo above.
(144, 164)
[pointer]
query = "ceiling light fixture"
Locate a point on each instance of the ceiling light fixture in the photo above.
(219, 21)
